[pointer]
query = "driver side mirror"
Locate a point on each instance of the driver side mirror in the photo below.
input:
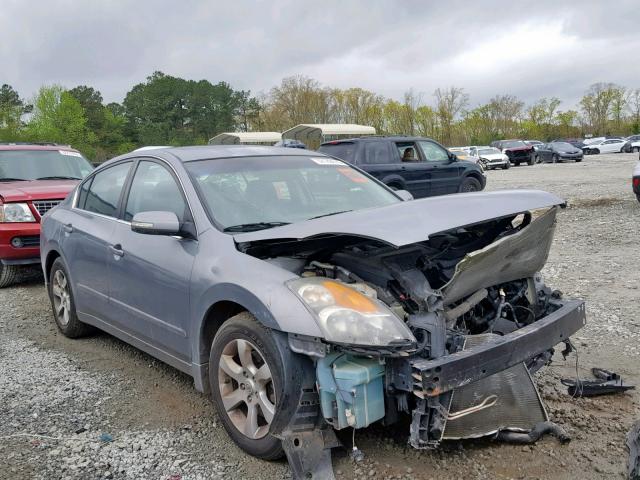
(156, 223)
(404, 195)
(453, 157)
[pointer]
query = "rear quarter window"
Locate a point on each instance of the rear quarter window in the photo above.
(378, 153)
(343, 150)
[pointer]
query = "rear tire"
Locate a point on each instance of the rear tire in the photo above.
(63, 304)
(470, 184)
(506, 166)
(8, 275)
(241, 350)
(532, 160)
(517, 164)
(595, 151)
(638, 196)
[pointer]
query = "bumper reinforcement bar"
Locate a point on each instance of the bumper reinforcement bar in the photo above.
(461, 368)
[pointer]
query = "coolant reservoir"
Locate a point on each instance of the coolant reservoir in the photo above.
(351, 390)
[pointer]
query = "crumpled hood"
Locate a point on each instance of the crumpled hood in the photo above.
(414, 221)
(36, 190)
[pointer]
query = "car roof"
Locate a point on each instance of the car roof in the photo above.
(34, 146)
(377, 138)
(212, 152)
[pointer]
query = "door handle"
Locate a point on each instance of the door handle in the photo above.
(68, 228)
(116, 250)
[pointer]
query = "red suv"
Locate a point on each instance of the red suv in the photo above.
(34, 178)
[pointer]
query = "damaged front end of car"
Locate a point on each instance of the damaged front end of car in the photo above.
(447, 331)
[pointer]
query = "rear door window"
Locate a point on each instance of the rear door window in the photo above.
(408, 152)
(343, 150)
(377, 153)
(104, 192)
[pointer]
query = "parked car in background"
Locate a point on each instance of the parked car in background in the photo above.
(419, 165)
(34, 178)
(611, 145)
(306, 297)
(536, 144)
(633, 144)
(518, 151)
(576, 142)
(290, 143)
(491, 157)
(555, 152)
(635, 180)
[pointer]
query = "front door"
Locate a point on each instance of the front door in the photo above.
(150, 274)
(445, 173)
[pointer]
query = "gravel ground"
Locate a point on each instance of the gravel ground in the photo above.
(98, 408)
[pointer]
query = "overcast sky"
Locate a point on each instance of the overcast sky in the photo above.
(529, 49)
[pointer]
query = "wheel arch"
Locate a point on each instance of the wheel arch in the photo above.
(395, 180)
(227, 301)
(52, 255)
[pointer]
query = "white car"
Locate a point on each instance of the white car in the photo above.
(612, 145)
(491, 157)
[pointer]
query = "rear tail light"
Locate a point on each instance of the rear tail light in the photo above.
(636, 182)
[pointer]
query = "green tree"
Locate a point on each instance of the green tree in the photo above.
(12, 108)
(59, 117)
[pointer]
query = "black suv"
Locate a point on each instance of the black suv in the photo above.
(420, 165)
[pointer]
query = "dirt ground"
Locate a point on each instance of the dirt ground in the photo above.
(98, 408)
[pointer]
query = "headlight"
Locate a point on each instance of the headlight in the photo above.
(347, 316)
(15, 212)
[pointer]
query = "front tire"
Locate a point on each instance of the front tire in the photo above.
(506, 166)
(532, 160)
(246, 374)
(554, 158)
(595, 151)
(63, 304)
(8, 275)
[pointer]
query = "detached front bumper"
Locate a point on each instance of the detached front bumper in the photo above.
(446, 373)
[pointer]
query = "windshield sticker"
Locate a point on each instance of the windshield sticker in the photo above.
(326, 161)
(353, 175)
(69, 154)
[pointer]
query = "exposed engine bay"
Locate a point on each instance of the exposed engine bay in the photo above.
(481, 319)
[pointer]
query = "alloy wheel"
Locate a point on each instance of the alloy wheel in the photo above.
(246, 388)
(61, 298)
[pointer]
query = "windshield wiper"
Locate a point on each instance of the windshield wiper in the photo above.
(58, 177)
(252, 227)
(329, 214)
(10, 179)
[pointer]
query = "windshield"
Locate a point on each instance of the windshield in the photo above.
(488, 151)
(42, 164)
(563, 146)
(252, 193)
(514, 144)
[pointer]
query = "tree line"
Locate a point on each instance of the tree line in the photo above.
(167, 110)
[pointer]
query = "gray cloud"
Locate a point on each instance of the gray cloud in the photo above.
(529, 49)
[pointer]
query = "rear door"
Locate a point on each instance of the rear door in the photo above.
(445, 173)
(381, 161)
(149, 275)
(414, 169)
(87, 236)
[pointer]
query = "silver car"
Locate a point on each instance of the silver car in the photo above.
(307, 297)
